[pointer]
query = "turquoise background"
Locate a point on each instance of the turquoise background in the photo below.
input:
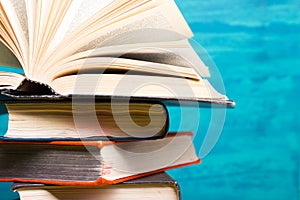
(255, 45)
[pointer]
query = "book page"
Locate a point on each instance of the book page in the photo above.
(10, 80)
(20, 12)
(14, 20)
(177, 53)
(154, 25)
(78, 13)
(45, 18)
(120, 85)
(100, 65)
(153, 19)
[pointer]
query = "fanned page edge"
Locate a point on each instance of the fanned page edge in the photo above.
(161, 87)
(163, 4)
(18, 32)
(158, 5)
(80, 42)
(10, 80)
(180, 50)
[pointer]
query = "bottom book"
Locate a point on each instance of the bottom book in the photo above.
(155, 187)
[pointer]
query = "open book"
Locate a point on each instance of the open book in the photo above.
(136, 48)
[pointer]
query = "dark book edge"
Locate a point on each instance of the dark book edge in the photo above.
(104, 138)
(30, 87)
(12, 96)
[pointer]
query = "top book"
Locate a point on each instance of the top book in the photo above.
(131, 48)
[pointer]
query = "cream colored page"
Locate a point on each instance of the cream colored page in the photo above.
(20, 12)
(16, 13)
(123, 31)
(111, 193)
(125, 159)
(7, 36)
(43, 19)
(119, 50)
(189, 55)
(31, 8)
(162, 21)
(177, 53)
(42, 16)
(52, 13)
(135, 86)
(9, 80)
(154, 25)
(100, 64)
(90, 26)
(78, 13)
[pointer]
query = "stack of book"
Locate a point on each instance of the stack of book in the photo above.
(87, 119)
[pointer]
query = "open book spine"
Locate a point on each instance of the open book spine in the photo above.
(30, 90)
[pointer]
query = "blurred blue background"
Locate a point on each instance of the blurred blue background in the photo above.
(255, 45)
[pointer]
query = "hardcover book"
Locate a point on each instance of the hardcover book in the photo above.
(155, 187)
(93, 163)
(102, 120)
